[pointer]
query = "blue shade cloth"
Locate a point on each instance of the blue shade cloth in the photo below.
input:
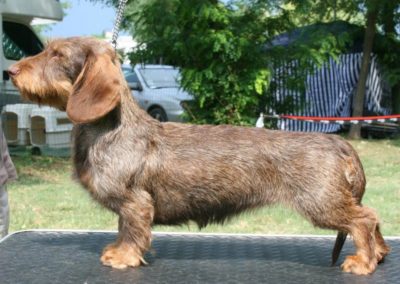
(329, 93)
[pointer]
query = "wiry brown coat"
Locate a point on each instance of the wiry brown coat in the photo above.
(153, 173)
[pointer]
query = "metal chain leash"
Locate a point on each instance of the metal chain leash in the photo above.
(117, 24)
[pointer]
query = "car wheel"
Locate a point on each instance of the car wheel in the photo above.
(159, 114)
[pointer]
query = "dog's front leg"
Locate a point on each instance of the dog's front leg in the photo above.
(134, 234)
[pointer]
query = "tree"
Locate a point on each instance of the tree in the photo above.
(223, 47)
(217, 50)
(358, 102)
(389, 17)
(384, 14)
(330, 10)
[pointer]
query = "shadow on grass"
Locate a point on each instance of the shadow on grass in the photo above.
(395, 142)
(33, 170)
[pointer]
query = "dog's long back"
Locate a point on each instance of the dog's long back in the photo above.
(229, 169)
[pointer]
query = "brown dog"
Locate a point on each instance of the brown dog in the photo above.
(152, 173)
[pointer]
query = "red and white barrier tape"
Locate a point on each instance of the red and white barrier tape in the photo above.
(327, 120)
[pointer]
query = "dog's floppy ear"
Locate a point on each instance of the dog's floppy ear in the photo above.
(96, 90)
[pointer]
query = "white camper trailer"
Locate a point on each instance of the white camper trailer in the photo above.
(19, 39)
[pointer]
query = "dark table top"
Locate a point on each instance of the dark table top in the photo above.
(73, 257)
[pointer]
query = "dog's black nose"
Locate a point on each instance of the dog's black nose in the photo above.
(13, 71)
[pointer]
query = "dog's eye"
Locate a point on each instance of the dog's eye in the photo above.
(56, 53)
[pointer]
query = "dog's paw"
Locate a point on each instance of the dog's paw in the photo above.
(121, 256)
(355, 264)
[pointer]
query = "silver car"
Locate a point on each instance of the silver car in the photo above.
(156, 88)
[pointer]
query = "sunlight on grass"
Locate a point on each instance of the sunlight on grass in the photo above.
(46, 197)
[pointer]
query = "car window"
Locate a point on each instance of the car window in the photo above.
(126, 70)
(160, 77)
(131, 78)
(19, 41)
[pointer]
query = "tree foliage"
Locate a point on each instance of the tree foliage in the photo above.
(219, 50)
(224, 49)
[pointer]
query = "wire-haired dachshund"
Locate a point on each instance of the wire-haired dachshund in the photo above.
(149, 172)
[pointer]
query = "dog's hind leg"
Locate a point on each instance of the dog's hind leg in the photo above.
(345, 215)
(134, 233)
(362, 226)
(381, 248)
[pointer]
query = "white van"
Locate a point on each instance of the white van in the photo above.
(19, 39)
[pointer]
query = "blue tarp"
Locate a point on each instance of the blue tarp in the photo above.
(329, 91)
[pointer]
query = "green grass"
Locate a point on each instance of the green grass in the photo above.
(46, 197)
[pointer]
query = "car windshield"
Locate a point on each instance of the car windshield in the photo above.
(160, 77)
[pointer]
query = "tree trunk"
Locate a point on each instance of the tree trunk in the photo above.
(396, 98)
(358, 101)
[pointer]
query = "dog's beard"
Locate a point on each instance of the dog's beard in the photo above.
(54, 95)
(49, 100)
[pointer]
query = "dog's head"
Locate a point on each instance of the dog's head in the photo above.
(80, 75)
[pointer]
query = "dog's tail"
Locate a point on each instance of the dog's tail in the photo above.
(340, 240)
(355, 176)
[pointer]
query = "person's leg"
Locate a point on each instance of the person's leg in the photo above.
(4, 211)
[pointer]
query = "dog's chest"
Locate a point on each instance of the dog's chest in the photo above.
(106, 162)
(91, 155)
(83, 141)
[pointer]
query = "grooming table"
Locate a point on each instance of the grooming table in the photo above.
(73, 257)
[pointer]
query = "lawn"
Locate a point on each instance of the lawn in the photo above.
(46, 197)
